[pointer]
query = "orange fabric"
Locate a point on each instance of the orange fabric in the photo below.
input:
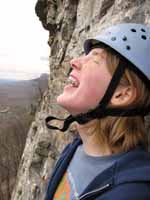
(64, 189)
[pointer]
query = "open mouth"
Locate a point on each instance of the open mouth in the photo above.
(73, 81)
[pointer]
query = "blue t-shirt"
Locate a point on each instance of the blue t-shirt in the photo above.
(82, 170)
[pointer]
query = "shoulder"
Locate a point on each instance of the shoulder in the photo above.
(128, 191)
(131, 179)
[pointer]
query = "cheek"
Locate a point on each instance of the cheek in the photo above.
(97, 84)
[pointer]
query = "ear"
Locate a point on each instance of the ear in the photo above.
(123, 96)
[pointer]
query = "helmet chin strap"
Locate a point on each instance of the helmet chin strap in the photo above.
(101, 110)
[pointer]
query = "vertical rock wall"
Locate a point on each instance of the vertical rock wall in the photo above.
(69, 23)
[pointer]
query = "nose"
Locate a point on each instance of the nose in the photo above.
(76, 63)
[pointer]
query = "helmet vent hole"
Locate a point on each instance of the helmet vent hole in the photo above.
(133, 30)
(143, 30)
(124, 38)
(113, 38)
(128, 47)
(143, 37)
(87, 28)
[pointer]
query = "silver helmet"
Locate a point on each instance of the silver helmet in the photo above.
(130, 40)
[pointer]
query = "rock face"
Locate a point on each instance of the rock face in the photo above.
(69, 23)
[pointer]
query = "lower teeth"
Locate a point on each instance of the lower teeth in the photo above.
(71, 83)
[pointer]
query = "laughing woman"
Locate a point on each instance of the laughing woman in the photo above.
(108, 96)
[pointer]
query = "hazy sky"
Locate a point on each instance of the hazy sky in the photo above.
(23, 40)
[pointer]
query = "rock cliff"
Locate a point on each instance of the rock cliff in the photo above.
(69, 23)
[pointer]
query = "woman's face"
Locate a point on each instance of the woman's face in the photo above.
(89, 80)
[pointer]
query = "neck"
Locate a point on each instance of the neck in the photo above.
(93, 143)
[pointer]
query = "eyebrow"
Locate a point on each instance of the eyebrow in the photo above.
(95, 50)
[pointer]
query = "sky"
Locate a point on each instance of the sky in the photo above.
(24, 50)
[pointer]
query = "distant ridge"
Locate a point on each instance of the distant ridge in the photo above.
(41, 76)
(7, 80)
(19, 76)
(22, 92)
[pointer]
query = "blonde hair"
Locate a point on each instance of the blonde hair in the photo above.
(124, 133)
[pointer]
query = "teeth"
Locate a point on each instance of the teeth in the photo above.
(73, 82)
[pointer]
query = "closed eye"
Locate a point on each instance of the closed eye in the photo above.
(94, 52)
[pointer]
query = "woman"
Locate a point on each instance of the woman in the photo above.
(108, 95)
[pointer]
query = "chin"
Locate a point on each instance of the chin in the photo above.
(66, 105)
(58, 100)
(61, 101)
